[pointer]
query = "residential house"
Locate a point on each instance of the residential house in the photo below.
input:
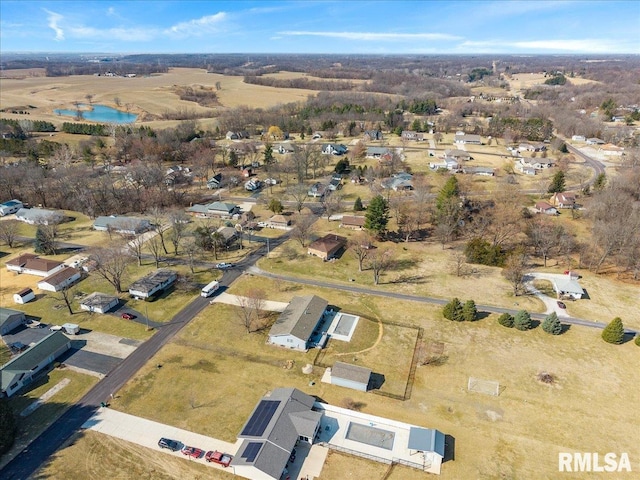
(317, 190)
(11, 319)
(411, 135)
(546, 208)
(279, 221)
(297, 323)
(484, 171)
(528, 147)
(12, 206)
(537, 163)
(39, 216)
(464, 139)
(568, 288)
(21, 370)
(279, 421)
(398, 182)
(247, 172)
(229, 235)
(595, 141)
(611, 150)
(578, 138)
(232, 136)
(377, 152)
(327, 247)
(253, 185)
(60, 280)
(286, 148)
(24, 296)
(99, 302)
(215, 181)
(214, 209)
(335, 184)
(370, 135)
(334, 149)
(525, 169)
(448, 163)
(352, 222)
(563, 200)
(34, 265)
(350, 376)
(152, 283)
(457, 155)
(121, 225)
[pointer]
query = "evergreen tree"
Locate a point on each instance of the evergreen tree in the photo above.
(522, 320)
(8, 426)
(233, 159)
(268, 154)
(506, 320)
(552, 325)
(357, 205)
(453, 311)
(557, 183)
(377, 216)
(43, 243)
(614, 332)
(450, 189)
(600, 182)
(275, 206)
(469, 311)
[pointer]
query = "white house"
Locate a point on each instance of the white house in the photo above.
(12, 206)
(595, 141)
(34, 216)
(34, 265)
(568, 288)
(153, 283)
(21, 370)
(24, 296)
(578, 138)
(463, 138)
(99, 302)
(123, 225)
(10, 319)
(60, 280)
(298, 322)
(350, 376)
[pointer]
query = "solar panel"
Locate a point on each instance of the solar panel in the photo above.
(251, 452)
(258, 422)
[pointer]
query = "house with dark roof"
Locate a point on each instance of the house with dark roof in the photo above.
(350, 376)
(152, 283)
(12, 206)
(21, 370)
(377, 152)
(123, 225)
(334, 149)
(298, 322)
(278, 422)
(214, 210)
(327, 247)
(99, 302)
(34, 265)
(286, 148)
(60, 280)
(10, 319)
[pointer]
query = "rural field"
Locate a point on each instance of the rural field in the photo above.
(515, 435)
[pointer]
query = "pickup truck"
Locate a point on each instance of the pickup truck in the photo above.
(218, 457)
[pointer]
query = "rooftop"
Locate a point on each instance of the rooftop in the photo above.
(300, 317)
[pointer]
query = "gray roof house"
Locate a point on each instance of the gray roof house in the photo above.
(568, 288)
(152, 283)
(334, 149)
(298, 322)
(377, 152)
(464, 138)
(214, 209)
(279, 420)
(10, 319)
(99, 302)
(20, 370)
(12, 206)
(125, 225)
(60, 280)
(34, 216)
(350, 376)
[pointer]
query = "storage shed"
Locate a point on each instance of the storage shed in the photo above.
(10, 319)
(24, 296)
(350, 376)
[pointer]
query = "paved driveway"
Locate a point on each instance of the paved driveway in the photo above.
(550, 303)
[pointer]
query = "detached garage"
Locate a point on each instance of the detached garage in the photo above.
(10, 319)
(350, 376)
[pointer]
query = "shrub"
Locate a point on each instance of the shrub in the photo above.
(482, 252)
(522, 320)
(469, 311)
(357, 205)
(614, 332)
(453, 311)
(637, 340)
(506, 320)
(552, 325)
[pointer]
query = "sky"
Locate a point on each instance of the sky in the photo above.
(308, 26)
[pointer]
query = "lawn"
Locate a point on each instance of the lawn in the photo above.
(31, 426)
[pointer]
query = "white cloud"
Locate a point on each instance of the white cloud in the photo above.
(53, 19)
(371, 36)
(119, 33)
(111, 11)
(198, 26)
(562, 45)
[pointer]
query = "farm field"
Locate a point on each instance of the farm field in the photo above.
(518, 428)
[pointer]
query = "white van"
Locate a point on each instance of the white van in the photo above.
(209, 289)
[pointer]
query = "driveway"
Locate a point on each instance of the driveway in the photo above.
(550, 303)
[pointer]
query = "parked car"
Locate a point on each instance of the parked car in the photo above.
(17, 347)
(562, 305)
(55, 328)
(192, 451)
(169, 444)
(218, 457)
(224, 265)
(128, 316)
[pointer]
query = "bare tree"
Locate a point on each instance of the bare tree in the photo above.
(178, 221)
(379, 261)
(159, 224)
(251, 305)
(331, 204)
(459, 260)
(111, 264)
(66, 295)
(514, 270)
(133, 246)
(302, 228)
(298, 193)
(360, 245)
(155, 248)
(9, 232)
(191, 250)
(545, 237)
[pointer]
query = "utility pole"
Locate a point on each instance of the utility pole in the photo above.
(146, 315)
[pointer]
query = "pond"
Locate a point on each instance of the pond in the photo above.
(99, 113)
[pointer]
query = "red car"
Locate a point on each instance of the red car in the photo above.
(218, 457)
(128, 316)
(192, 452)
(562, 305)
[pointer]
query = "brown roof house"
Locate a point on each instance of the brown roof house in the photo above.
(352, 222)
(546, 208)
(34, 265)
(328, 246)
(60, 280)
(563, 200)
(279, 221)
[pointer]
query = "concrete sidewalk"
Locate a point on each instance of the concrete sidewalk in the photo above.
(147, 433)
